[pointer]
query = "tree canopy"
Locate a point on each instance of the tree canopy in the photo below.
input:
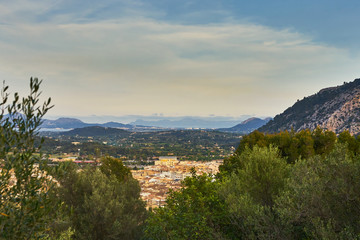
(104, 202)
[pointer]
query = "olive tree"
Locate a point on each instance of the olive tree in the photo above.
(25, 202)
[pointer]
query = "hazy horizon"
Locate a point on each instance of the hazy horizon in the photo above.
(132, 118)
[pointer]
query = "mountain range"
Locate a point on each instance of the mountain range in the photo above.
(68, 123)
(147, 125)
(335, 108)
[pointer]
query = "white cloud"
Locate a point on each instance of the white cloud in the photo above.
(141, 66)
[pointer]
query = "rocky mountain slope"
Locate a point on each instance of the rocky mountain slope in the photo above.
(335, 108)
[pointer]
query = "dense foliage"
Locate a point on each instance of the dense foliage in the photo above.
(264, 192)
(305, 143)
(322, 197)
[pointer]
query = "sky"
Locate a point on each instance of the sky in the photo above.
(178, 58)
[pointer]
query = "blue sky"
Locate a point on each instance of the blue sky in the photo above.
(223, 58)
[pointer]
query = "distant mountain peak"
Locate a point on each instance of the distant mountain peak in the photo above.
(247, 126)
(64, 119)
(249, 120)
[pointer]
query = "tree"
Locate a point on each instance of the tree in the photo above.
(250, 190)
(25, 202)
(261, 172)
(105, 202)
(351, 142)
(113, 166)
(252, 139)
(306, 143)
(324, 141)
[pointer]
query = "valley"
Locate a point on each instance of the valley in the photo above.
(92, 142)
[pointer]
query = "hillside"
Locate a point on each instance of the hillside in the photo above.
(335, 108)
(247, 126)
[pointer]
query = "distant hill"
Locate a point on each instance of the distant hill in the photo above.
(247, 126)
(68, 123)
(96, 131)
(116, 125)
(335, 108)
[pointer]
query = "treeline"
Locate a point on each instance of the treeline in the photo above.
(304, 144)
(289, 185)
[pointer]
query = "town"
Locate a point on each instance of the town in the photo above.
(167, 173)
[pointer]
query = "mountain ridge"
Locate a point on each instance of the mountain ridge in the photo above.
(334, 108)
(68, 123)
(139, 125)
